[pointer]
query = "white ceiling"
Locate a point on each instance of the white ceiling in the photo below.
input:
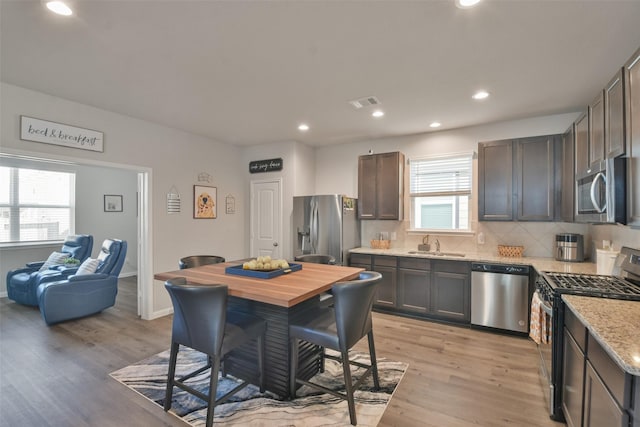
(248, 72)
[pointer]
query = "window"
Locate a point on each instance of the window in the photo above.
(35, 205)
(440, 189)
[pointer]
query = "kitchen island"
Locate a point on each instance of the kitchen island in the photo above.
(602, 361)
(279, 301)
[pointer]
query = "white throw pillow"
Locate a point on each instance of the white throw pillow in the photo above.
(89, 266)
(56, 258)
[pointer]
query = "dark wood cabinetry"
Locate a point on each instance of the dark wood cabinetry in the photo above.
(387, 288)
(495, 181)
(451, 291)
(423, 287)
(566, 197)
(632, 114)
(582, 145)
(596, 129)
(573, 370)
(414, 284)
(517, 179)
(614, 105)
(595, 390)
(381, 186)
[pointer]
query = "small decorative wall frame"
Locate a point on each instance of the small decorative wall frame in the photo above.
(230, 204)
(112, 203)
(173, 201)
(204, 202)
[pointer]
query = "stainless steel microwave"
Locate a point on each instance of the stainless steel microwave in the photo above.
(601, 193)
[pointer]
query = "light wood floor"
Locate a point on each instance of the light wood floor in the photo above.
(59, 375)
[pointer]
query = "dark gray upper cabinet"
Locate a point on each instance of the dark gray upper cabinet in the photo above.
(596, 129)
(614, 105)
(565, 198)
(535, 178)
(495, 180)
(381, 186)
(517, 179)
(632, 114)
(582, 145)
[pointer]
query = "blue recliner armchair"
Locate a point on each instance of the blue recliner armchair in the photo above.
(81, 295)
(22, 283)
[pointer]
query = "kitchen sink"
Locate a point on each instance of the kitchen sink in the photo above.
(433, 253)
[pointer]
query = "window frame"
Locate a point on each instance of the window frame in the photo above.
(14, 206)
(413, 196)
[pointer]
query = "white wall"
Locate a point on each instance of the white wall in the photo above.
(92, 183)
(174, 157)
(297, 174)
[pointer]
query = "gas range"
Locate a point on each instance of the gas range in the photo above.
(625, 286)
(593, 285)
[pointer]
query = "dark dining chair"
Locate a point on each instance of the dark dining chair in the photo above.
(202, 322)
(326, 298)
(316, 258)
(198, 260)
(339, 328)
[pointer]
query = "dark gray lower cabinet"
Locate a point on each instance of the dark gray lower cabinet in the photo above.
(414, 285)
(596, 391)
(600, 408)
(421, 286)
(451, 290)
(386, 293)
(573, 381)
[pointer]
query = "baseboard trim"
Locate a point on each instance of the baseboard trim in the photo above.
(160, 313)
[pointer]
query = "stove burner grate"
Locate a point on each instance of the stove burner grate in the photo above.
(591, 284)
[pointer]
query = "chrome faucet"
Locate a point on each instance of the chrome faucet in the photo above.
(437, 245)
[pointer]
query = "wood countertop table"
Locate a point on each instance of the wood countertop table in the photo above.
(279, 301)
(286, 290)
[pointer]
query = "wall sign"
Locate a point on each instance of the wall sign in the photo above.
(268, 165)
(37, 130)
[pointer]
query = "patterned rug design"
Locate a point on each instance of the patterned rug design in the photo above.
(249, 407)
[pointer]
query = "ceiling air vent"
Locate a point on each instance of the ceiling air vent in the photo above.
(364, 102)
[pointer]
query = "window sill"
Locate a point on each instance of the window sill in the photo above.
(26, 245)
(442, 232)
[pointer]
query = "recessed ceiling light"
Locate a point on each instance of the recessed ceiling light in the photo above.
(377, 114)
(435, 125)
(59, 7)
(481, 94)
(465, 4)
(303, 127)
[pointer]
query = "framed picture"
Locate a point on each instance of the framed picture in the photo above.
(112, 203)
(204, 202)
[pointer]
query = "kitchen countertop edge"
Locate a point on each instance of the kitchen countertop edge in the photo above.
(615, 324)
(539, 263)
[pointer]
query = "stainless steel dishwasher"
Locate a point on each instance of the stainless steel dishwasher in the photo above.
(500, 296)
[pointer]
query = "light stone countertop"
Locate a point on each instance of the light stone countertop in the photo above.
(540, 264)
(615, 324)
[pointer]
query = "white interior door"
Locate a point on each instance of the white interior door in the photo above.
(266, 218)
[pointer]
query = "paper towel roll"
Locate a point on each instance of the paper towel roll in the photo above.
(605, 260)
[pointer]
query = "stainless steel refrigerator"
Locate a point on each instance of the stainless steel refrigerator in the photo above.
(325, 224)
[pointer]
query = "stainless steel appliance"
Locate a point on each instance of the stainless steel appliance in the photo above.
(550, 287)
(325, 224)
(570, 247)
(500, 296)
(600, 193)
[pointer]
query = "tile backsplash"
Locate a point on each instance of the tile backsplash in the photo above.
(538, 238)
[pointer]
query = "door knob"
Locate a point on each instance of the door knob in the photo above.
(275, 243)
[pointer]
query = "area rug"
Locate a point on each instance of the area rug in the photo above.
(249, 407)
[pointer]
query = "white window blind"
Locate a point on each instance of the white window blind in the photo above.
(35, 205)
(437, 176)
